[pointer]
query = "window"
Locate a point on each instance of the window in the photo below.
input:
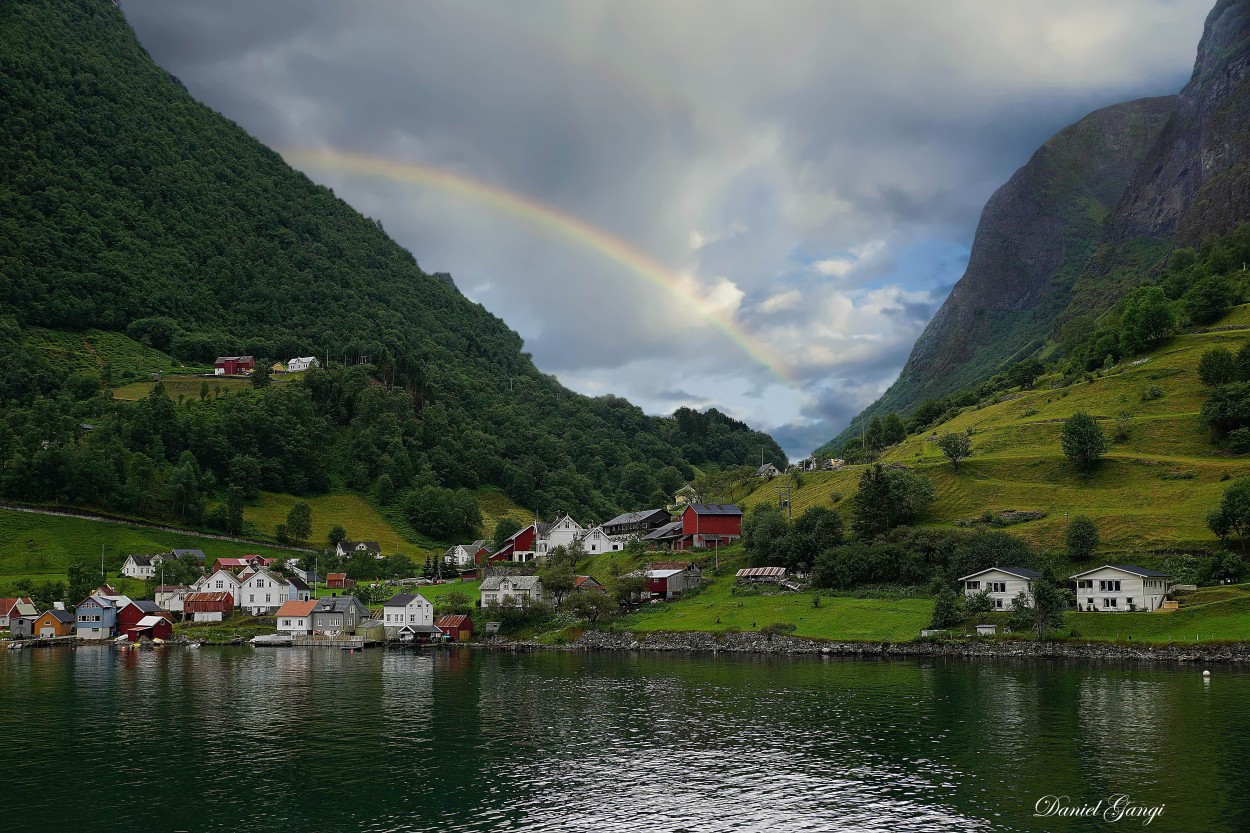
(1090, 601)
(998, 603)
(973, 585)
(1109, 586)
(1085, 584)
(1109, 602)
(996, 586)
(1128, 602)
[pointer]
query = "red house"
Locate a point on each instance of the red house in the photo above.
(339, 581)
(458, 627)
(704, 525)
(234, 365)
(670, 579)
(130, 615)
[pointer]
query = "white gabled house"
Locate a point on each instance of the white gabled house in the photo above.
(295, 617)
(139, 566)
(408, 614)
(302, 363)
(595, 541)
(263, 593)
(560, 533)
(222, 581)
(1002, 584)
(1115, 588)
(500, 588)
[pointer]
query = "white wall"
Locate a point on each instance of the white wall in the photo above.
(1003, 598)
(1098, 591)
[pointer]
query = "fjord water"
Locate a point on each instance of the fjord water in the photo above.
(226, 739)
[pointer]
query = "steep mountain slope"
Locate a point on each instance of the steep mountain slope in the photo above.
(128, 207)
(1153, 491)
(1090, 216)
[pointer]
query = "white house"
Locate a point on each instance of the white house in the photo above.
(295, 617)
(561, 533)
(1120, 588)
(410, 611)
(1002, 584)
(346, 549)
(262, 593)
(139, 566)
(498, 588)
(767, 470)
(302, 363)
(595, 541)
(464, 555)
(222, 581)
(170, 596)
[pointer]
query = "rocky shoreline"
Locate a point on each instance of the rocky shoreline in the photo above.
(755, 643)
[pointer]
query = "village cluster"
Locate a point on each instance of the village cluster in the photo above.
(297, 598)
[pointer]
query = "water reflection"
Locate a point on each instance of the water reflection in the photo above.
(468, 741)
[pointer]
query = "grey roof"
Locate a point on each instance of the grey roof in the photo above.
(634, 517)
(666, 531)
(430, 629)
(297, 582)
(1137, 571)
(401, 599)
(1022, 572)
(142, 560)
(521, 582)
(372, 546)
(198, 555)
(63, 616)
(147, 606)
(715, 509)
(340, 604)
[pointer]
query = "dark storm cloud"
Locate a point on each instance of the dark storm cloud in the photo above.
(804, 169)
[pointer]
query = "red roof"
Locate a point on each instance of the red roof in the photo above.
(297, 608)
(453, 620)
(215, 596)
(335, 576)
(7, 605)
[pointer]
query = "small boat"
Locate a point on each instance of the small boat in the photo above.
(16, 646)
(194, 645)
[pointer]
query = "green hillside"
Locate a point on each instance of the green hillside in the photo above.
(143, 233)
(1154, 489)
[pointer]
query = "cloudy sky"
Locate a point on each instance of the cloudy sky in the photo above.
(751, 205)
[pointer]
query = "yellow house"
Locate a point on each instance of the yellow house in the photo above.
(278, 367)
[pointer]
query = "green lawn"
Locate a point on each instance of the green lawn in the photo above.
(1211, 614)
(41, 547)
(717, 610)
(1153, 491)
(188, 387)
(352, 512)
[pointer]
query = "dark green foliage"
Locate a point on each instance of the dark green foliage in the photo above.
(336, 536)
(771, 541)
(1232, 516)
(1083, 441)
(1227, 408)
(505, 529)
(1081, 538)
(299, 521)
(1208, 300)
(261, 377)
(955, 446)
(1041, 613)
(947, 610)
(979, 605)
(1147, 319)
(1217, 367)
(893, 431)
(443, 514)
(764, 532)
(889, 497)
(1239, 441)
(1023, 374)
(131, 208)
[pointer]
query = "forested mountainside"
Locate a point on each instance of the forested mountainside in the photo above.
(133, 216)
(1092, 215)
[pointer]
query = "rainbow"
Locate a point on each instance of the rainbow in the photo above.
(549, 221)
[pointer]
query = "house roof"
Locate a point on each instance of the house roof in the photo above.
(1126, 568)
(141, 560)
(671, 530)
(634, 517)
(756, 572)
(371, 546)
(430, 629)
(149, 621)
(198, 555)
(25, 609)
(580, 581)
(766, 468)
(520, 582)
(1019, 572)
(297, 608)
(145, 605)
(340, 604)
(213, 596)
(452, 620)
(714, 508)
(336, 576)
(662, 573)
(298, 583)
(65, 617)
(7, 604)
(171, 588)
(404, 599)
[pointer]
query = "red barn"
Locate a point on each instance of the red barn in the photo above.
(458, 627)
(670, 579)
(704, 525)
(234, 365)
(208, 607)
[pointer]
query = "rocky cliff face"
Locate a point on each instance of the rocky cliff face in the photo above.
(1089, 216)
(1195, 181)
(1036, 235)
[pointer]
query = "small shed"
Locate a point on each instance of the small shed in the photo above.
(22, 627)
(208, 607)
(987, 630)
(54, 623)
(458, 627)
(339, 581)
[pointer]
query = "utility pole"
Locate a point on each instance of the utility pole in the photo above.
(102, 564)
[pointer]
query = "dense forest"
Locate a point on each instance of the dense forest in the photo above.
(128, 207)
